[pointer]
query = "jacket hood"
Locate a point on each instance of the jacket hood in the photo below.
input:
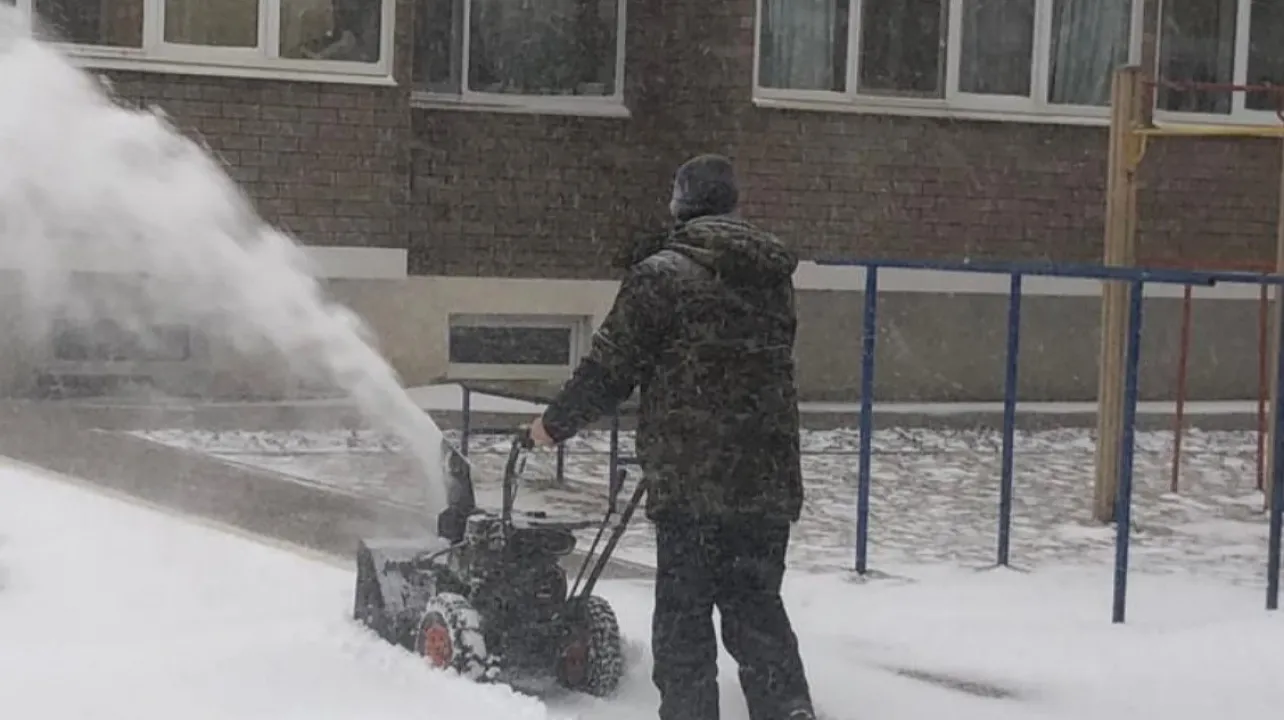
(735, 250)
(704, 185)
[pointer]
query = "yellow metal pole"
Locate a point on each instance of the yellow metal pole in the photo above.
(1119, 249)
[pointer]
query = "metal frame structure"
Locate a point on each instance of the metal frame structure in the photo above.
(1134, 280)
(1132, 126)
(1183, 360)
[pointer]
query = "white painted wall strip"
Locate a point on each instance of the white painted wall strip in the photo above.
(359, 262)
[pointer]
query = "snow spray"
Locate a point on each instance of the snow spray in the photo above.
(85, 181)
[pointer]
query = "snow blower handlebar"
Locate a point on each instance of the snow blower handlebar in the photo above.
(512, 469)
(594, 562)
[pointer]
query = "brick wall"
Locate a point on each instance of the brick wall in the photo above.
(1214, 199)
(476, 193)
(517, 195)
(326, 162)
(889, 186)
(831, 183)
(524, 195)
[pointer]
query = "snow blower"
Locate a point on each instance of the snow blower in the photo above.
(490, 599)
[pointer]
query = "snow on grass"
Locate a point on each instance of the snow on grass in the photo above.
(118, 611)
(934, 493)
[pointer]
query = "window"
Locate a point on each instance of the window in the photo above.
(1090, 39)
(520, 53)
(107, 23)
(1222, 41)
(1020, 59)
(1265, 61)
(1197, 43)
(1029, 57)
(288, 39)
(507, 347)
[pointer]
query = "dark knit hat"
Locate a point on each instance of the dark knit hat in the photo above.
(704, 185)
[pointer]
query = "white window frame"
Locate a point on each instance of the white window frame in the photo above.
(465, 99)
(1240, 114)
(157, 55)
(580, 333)
(967, 106)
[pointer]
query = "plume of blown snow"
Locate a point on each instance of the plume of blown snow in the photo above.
(90, 187)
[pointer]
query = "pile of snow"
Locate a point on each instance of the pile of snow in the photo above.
(119, 611)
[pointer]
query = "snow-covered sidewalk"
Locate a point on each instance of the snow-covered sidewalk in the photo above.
(111, 610)
(447, 397)
(934, 493)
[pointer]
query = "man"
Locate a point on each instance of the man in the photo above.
(704, 324)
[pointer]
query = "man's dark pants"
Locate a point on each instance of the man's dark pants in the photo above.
(736, 565)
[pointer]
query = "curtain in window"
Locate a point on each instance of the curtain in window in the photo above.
(998, 47)
(1089, 41)
(798, 45)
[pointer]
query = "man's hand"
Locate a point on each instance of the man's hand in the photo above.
(539, 435)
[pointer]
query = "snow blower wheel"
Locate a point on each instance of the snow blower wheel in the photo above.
(450, 636)
(592, 660)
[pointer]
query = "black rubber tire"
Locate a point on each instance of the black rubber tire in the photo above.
(594, 632)
(451, 619)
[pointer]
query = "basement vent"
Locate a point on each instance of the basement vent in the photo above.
(107, 342)
(515, 347)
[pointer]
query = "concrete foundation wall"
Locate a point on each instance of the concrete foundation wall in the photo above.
(410, 317)
(932, 346)
(936, 347)
(936, 341)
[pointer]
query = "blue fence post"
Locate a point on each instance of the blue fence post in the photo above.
(869, 334)
(1123, 495)
(1137, 279)
(467, 425)
(1277, 481)
(1009, 420)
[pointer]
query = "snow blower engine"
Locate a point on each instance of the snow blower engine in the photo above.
(490, 598)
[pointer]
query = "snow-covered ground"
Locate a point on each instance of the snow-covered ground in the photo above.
(934, 495)
(111, 610)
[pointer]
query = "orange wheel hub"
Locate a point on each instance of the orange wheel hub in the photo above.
(575, 661)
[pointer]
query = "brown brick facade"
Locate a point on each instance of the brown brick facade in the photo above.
(524, 195)
(326, 162)
(475, 193)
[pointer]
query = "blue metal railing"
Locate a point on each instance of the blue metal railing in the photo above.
(1137, 277)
